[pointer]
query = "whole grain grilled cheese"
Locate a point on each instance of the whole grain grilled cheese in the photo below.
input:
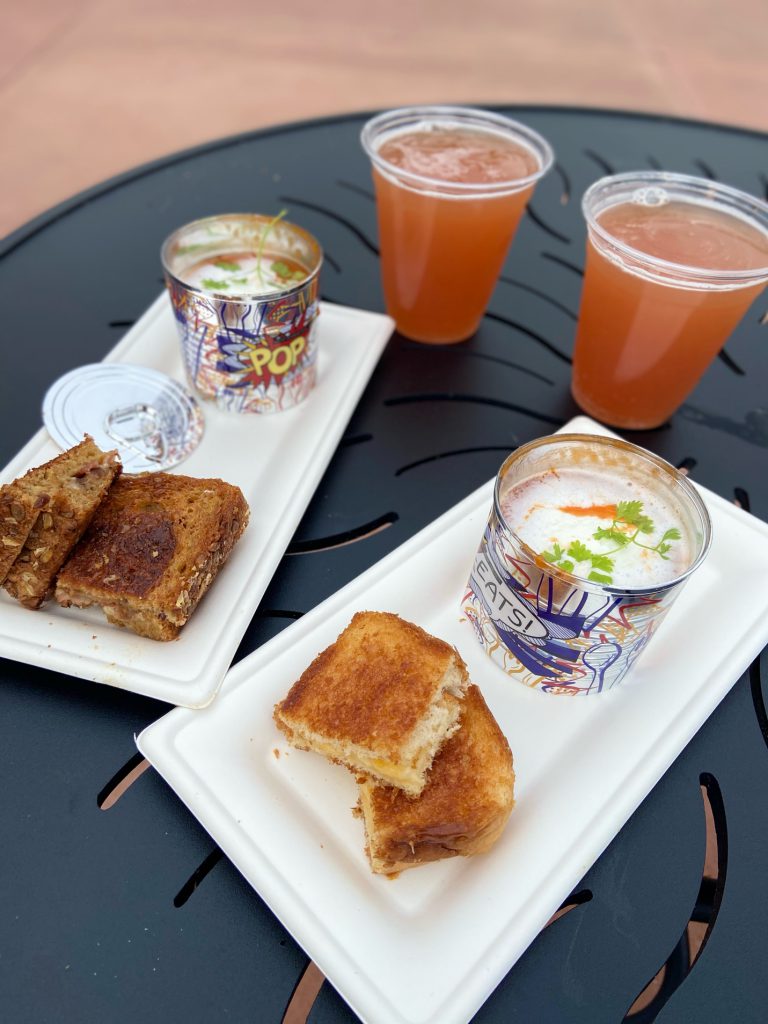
(54, 504)
(21, 503)
(461, 811)
(382, 700)
(153, 549)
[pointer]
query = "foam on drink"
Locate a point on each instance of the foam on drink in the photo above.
(689, 234)
(461, 155)
(551, 511)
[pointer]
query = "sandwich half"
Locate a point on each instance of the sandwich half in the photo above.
(21, 504)
(463, 809)
(153, 549)
(382, 700)
(52, 506)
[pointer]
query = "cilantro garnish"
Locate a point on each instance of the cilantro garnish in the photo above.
(613, 535)
(629, 523)
(284, 272)
(631, 513)
(579, 552)
(554, 555)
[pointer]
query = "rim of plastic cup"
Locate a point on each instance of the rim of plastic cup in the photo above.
(634, 451)
(621, 188)
(391, 122)
(165, 259)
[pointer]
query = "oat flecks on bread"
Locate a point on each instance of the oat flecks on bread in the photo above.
(382, 699)
(63, 496)
(19, 508)
(153, 549)
(461, 812)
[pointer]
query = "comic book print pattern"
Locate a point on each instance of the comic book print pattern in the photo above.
(551, 635)
(250, 357)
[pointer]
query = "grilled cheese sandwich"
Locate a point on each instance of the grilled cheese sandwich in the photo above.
(382, 700)
(463, 808)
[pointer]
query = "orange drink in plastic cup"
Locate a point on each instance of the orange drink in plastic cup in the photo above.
(673, 263)
(451, 185)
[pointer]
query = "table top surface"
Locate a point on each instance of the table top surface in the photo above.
(114, 903)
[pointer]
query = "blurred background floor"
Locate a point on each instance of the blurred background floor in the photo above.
(89, 88)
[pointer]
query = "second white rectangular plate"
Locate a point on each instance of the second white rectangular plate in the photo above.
(430, 947)
(276, 460)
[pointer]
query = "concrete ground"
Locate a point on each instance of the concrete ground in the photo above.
(89, 88)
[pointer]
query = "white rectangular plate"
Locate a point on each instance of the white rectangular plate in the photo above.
(276, 460)
(430, 947)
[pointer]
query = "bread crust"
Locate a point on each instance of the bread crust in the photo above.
(462, 810)
(153, 550)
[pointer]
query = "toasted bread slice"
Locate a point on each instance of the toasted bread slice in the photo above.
(382, 699)
(20, 505)
(463, 809)
(22, 501)
(153, 549)
(74, 485)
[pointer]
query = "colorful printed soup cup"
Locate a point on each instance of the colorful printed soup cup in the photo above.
(244, 294)
(554, 619)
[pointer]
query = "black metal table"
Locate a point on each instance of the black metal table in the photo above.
(115, 905)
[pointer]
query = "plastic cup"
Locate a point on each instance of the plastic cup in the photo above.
(648, 326)
(255, 350)
(556, 632)
(442, 241)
